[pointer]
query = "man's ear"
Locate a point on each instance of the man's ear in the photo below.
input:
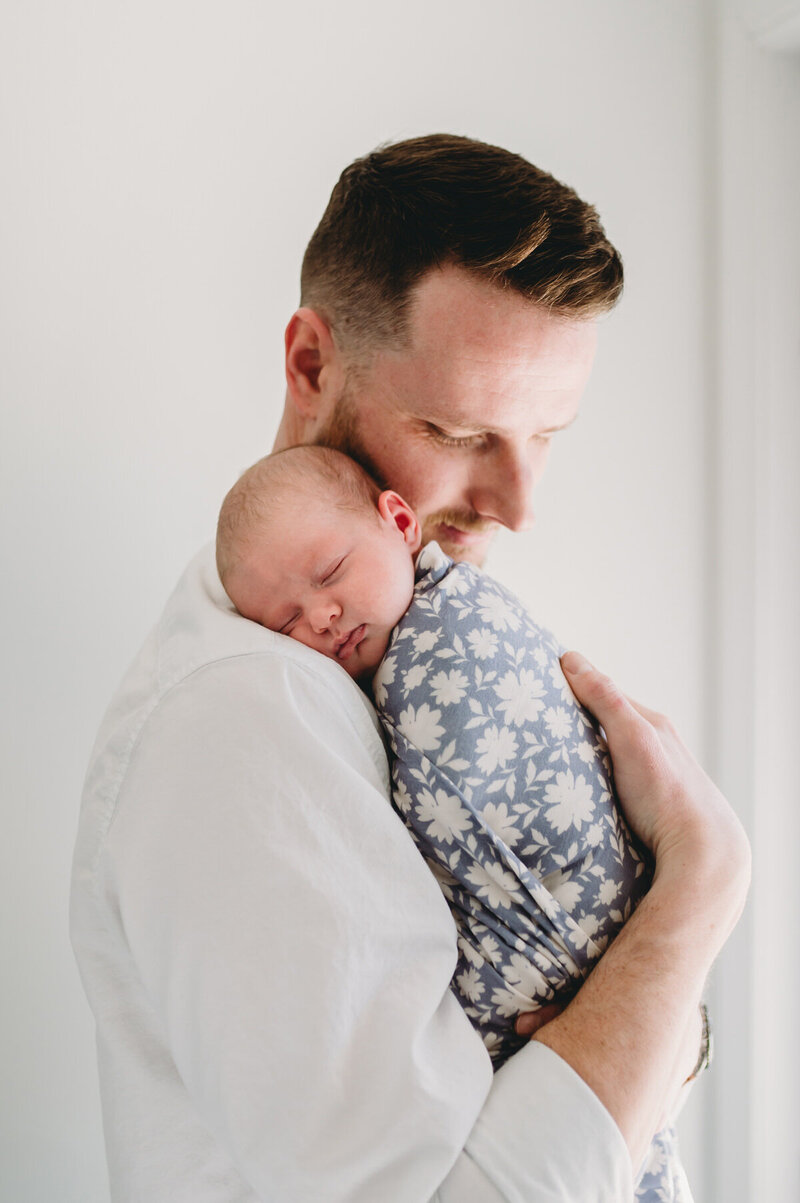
(393, 509)
(314, 372)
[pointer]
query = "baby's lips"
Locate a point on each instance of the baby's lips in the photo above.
(348, 646)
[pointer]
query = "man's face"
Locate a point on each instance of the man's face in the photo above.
(460, 422)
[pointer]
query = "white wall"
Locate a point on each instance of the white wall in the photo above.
(756, 1094)
(161, 168)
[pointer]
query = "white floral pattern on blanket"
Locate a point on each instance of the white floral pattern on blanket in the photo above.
(505, 784)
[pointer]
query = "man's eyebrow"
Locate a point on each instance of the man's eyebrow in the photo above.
(563, 426)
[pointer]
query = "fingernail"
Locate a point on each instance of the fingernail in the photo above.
(575, 664)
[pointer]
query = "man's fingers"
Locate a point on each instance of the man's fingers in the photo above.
(652, 716)
(529, 1023)
(593, 689)
(606, 701)
(649, 759)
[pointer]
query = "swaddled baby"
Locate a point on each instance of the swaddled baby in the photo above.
(502, 778)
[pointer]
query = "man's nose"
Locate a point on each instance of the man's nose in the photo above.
(323, 614)
(503, 491)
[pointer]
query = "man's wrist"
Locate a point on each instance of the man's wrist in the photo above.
(706, 884)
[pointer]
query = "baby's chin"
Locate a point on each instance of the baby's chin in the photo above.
(362, 666)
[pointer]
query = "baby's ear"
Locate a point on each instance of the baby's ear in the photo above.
(394, 510)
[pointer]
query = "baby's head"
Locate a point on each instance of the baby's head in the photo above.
(309, 546)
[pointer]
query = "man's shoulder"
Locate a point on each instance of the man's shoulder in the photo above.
(200, 630)
(206, 671)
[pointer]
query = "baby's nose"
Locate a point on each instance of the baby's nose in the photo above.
(324, 615)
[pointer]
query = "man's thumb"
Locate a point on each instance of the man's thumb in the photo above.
(593, 689)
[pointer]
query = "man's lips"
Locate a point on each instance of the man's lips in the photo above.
(463, 538)
(350, 642)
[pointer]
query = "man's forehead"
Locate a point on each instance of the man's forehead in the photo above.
(454, 307)
(474, 349)
(497, 393)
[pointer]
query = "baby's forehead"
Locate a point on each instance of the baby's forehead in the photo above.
(304, 478)
(310, 510)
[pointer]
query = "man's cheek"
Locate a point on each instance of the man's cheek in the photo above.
(438, 488)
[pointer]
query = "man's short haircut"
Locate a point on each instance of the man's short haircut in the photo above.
(281, 482)
(443, 200)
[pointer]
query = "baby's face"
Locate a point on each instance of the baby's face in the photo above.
(335, 580)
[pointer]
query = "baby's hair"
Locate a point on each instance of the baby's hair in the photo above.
(281, 481)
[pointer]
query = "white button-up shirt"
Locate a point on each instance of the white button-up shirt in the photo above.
(268, 958)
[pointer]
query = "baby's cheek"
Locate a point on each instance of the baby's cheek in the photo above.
(375, 649)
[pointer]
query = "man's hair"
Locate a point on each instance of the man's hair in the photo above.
(280, 482)
(443, 200)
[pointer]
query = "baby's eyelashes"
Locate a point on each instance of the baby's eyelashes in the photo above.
(331, 574)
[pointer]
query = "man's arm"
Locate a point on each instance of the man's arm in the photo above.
(624, 1032)
(297, 955)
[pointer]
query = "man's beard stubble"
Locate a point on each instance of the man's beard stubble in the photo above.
(341, 434)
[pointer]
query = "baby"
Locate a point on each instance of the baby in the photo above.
(502, 778)
(309, 546)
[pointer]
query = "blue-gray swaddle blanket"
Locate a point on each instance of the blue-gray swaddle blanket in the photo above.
(505, 784)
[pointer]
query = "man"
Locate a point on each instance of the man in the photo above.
(267, 956)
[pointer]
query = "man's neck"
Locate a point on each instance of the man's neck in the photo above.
(291, 432)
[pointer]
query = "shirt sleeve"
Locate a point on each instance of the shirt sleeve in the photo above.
(297, 953)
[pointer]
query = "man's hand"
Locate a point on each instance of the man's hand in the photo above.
(626, 1030)
(670, 803)
(529, 1023)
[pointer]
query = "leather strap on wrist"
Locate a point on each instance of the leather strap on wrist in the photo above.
(706, 1046)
